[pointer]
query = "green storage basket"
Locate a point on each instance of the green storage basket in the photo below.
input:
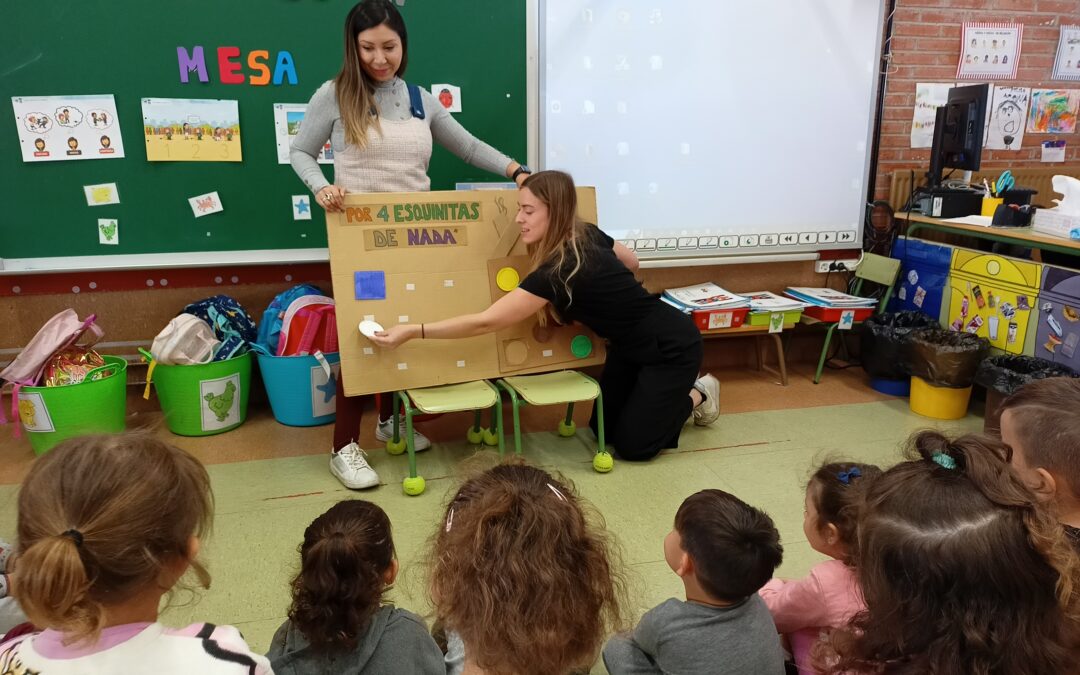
(53, 414)
(762, 318)
(204, 399)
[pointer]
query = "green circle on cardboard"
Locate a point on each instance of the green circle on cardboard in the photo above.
(581, 346)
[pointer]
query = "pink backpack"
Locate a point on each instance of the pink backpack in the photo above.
(60, 332)
(309, 325)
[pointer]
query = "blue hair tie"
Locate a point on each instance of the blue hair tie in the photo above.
(943, 460)
(846, 477)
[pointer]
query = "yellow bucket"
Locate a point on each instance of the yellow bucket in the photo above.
(940, 403)
(990, 204)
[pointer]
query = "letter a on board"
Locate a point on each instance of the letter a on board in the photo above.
(284, 66)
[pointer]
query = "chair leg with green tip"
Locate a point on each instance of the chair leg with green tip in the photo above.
(514, 403)
(824, 353)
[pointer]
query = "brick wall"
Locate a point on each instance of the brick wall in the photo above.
(926, 48)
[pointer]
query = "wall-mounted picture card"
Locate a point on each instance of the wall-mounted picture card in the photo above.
(990, 51)
(59, 128)
(191, 130)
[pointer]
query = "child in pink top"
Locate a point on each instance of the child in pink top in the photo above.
(829, 596)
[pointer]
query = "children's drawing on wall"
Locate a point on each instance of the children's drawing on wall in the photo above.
(989, 51)
(1008, 116)
(191, 130)
(288, 117)
(449, 96)
(1067, 59)
(928, 96)
(55, 128)
(1053, 111)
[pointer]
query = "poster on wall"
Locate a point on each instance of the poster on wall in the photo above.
(191, 130)
(1067, 60)
(1008, 118)
(1053, 111)
(287, 120)
(57, 128)
(989, 51)
(928, 96)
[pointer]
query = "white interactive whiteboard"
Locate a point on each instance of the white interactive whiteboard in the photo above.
(713, 127)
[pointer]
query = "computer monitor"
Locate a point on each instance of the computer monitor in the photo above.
(958, 132)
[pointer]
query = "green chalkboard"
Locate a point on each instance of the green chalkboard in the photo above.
(128, 48)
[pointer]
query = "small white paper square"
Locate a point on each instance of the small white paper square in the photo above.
(402, 366)
(548, 353)
(404, 318)
(448, 95)
(410, 287)
(776, 322)
(847, 319)
(33, 413)
(448, 283)
(369, 317)
(301, 207)
(369, 351)
(99, 195)
(1053, 151)
(460, 364)
(204, 205)
(108, 231)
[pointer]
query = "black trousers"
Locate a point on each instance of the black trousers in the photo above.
(646, 384)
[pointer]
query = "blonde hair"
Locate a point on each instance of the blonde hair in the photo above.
(355, 90)
(525, 572)
(100, 517)
(563, 246)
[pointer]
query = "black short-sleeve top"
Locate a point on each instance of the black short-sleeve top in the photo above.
(604, 295)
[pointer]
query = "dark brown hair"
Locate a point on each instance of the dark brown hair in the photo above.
(836, 490)
(525, 572)
(355, 90)
(961, 570)
(1044, 414)
(100, 518)
(343, 563)
(735, 547)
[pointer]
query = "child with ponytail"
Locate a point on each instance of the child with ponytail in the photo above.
(107, 525)
(338, 624)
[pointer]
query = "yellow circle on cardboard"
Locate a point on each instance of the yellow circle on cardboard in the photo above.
(507, 279)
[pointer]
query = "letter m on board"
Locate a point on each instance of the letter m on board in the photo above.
(195, 62)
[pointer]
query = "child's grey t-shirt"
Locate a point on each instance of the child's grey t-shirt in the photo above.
(687, 638)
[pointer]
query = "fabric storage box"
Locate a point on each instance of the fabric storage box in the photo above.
(1057, 336)
(924, 277)
(715, 319)
(994, 297)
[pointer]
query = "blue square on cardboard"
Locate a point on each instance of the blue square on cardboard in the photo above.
(370, 285)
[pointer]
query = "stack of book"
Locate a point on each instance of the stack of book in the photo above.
(826, 304)
(763, 304)
(710, 306)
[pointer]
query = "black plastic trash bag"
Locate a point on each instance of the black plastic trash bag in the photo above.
(885, 349)
(1005, 374)
(946, 358)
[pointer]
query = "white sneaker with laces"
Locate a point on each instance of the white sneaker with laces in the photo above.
(351, 467)
(384, 431)
(707, 412)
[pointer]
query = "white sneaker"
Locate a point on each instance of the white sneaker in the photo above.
(706, 413)
(351, 467)
(384, 431)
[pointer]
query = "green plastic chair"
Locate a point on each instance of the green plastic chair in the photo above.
(476, 396)
(875, 268)
(564, 386)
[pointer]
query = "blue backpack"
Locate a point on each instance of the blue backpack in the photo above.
(230, 323)
(271, 324)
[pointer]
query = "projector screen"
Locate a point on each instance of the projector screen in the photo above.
(713, 128)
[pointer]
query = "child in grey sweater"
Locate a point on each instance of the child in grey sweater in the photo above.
(724, 551)
(337, 623)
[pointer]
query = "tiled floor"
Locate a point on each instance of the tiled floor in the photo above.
(271, 481)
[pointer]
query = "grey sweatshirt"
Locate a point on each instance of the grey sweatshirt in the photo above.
(688, 638)
(396, 642)
(322, 121)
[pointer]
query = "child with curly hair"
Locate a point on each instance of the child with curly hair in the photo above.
(107, 525)
(829, 596)
(724, 550)
(525, 574)
(962, 572)
(338, 624)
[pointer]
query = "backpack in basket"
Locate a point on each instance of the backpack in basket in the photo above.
(309, 326)
(60, 332)
(230, 323)
(272, 318)
(187, 340)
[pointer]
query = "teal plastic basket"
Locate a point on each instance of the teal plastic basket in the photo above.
(204, 399)
(302, 390)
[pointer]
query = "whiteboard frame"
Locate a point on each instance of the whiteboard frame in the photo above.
(697, 256)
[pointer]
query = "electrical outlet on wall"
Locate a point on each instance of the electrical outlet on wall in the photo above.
(826, 266)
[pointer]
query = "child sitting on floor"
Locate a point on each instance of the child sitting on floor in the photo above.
(106, 526)
(961, 569)
(338, 623)
(1041, 425)
(829, 596)
(524, 576)
(724, 550)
